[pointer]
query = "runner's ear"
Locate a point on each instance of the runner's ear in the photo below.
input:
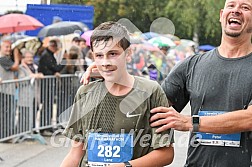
(128, 54)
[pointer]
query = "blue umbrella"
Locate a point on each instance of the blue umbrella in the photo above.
(206, 47)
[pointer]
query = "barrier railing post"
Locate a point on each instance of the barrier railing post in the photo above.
(26, 106)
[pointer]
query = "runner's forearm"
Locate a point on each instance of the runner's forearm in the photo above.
(232, 122)
(158, 158)
(70, 161)
(73, 158)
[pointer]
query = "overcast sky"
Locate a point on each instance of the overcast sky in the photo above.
(6, 5)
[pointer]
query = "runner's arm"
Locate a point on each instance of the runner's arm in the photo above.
(91, 71)
(232, 122)
(74, 156)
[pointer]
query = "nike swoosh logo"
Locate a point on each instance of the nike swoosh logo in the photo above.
(133, 115)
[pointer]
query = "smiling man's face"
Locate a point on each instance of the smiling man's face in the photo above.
(236, 17)
(5, 49)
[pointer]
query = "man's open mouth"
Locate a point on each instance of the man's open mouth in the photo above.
(234, 21)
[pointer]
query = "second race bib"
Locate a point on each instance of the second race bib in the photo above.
(231, 140)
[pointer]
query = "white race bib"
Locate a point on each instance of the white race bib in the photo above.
(231, 140)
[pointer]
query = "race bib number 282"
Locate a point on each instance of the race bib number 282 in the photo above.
(106, 148)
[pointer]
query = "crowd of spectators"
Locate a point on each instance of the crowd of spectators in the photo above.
(24, 63)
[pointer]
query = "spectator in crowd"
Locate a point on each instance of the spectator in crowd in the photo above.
(166, 63)
(153, 72)
(8, 71)
(38, 54)
(48, 66)
(76, 41)
(73, 61)
(47, 63)
(139, 59)
(164, 49)
(73, 65)
(25, 99)
(83, 46)
(8, 67)
(84, 50)
(189, 51)
(27, 63)
(89, 58)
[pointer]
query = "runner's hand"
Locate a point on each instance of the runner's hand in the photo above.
(91, 71)
(166, 118)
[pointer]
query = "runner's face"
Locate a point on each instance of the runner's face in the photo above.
(236, 17)
(110, 59)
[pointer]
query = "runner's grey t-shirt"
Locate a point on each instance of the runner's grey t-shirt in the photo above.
(213, 83)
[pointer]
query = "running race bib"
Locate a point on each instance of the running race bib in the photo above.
(105, 149)
(231, 140)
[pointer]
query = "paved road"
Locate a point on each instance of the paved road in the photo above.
(181, 144)
(34, 154)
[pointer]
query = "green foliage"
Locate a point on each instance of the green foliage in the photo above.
(188, 16)
(197, 16)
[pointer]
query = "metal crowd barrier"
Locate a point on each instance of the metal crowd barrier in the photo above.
(30, 105)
